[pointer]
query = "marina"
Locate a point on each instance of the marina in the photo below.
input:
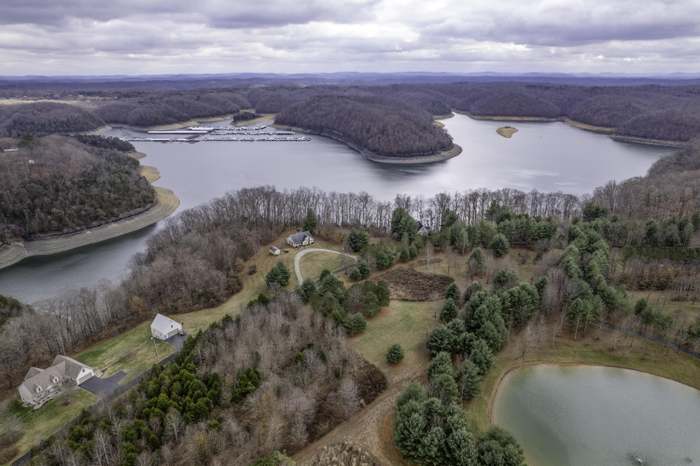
(258, 133)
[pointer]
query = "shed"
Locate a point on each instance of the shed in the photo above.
(164, 327)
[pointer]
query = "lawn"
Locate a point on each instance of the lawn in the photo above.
(604, 348)
(403, 322)
(38, 425)
(133, 351)
(314, 263)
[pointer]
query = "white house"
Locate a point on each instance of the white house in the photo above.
(274, 251)
(41, 385)
(164, 327)
(300, 238)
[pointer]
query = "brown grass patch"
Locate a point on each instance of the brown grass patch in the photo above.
(411, 285)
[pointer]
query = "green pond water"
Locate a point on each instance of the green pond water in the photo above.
(599, 416)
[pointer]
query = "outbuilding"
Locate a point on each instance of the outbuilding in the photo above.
(164, 327)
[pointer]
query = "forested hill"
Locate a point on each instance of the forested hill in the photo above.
(57, 184)
(394, 116)
(43, 118)
(382, 126)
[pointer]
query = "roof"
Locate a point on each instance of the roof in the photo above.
(44, 377)
(164, 324)
(299, 236)
(32, 372)
(72, 367)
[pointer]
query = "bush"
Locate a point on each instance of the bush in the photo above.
(247, 381)
(278, 276)
(355, 324)
(395, 354)
(453, 293)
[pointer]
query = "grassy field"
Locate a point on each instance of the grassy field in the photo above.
(684, 312)
(405, 323)
(315, 262)
(604, 348)
(40, 424)
(133, 351)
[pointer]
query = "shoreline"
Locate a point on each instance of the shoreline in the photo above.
(611, 132)
(166, 203)
(573, 363)
(454, 151)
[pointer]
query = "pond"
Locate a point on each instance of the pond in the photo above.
(543, 156)
(590, 415)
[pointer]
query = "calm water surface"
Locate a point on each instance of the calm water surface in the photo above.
(547, 157)
(588, 416)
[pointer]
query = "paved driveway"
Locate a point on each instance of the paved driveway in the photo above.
(176, 342)
(103, 387)
(302, 253)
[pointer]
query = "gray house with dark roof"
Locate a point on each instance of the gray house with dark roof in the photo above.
(300, 238)
(41, 385)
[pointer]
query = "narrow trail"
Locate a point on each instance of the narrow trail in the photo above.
(303, 252)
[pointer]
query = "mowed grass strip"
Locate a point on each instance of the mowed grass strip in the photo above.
(407, 323)
(313, 263)
(133, 351)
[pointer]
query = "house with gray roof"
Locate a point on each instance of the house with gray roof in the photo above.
(300, 238)
(41, 385)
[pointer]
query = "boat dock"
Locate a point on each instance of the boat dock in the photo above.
(258, 133)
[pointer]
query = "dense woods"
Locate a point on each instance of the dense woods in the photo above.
(381, 126)
(43, 118)
(275, 378)
(163, 108)
(56, 185)
(670, 189)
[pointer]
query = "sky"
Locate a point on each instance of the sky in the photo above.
(90, 37)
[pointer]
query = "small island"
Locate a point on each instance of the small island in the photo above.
(507, 131)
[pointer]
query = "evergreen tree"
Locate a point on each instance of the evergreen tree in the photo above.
(452, 292)
(310, 221)
(469, 380)
(476, 264)
(395, 354)
(498, 448)
(499, 245)
(358, 240)
(449, 311)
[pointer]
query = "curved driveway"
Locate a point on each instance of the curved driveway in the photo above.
(303, 252)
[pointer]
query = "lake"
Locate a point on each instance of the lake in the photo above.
(543, 156)
(589, 415)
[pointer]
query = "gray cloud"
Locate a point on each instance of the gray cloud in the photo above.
(154, 36)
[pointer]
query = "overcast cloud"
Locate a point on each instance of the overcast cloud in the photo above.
(215, 36)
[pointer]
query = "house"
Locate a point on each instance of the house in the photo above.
(164, 327)
(275, 251)
(300, 238)
(41, 385)
(423, 230)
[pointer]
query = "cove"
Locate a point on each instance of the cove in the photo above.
(542, 156)
(592, 415)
